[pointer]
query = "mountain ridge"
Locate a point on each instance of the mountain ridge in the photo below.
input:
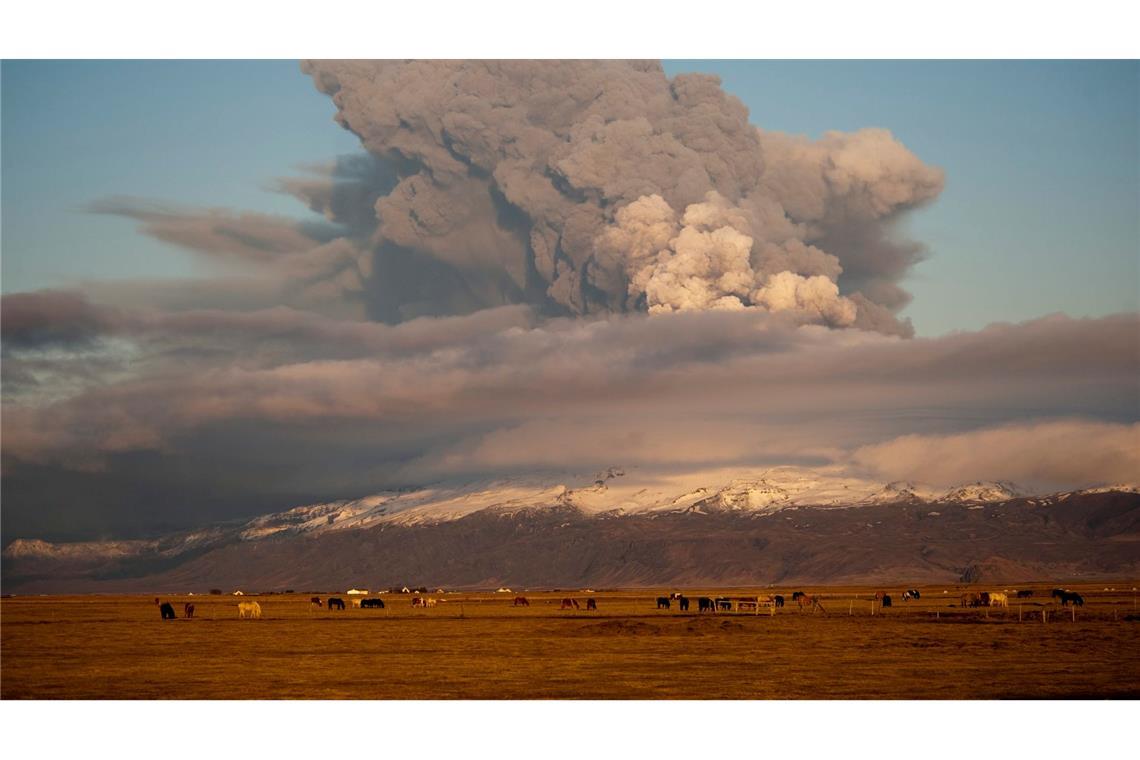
(762, 529)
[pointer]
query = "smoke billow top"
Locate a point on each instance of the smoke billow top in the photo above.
(590, 187)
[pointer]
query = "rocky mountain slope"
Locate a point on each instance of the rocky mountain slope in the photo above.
(780, 526)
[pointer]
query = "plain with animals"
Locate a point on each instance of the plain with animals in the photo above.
(832, 643)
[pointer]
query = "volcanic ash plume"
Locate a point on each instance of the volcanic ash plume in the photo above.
(590, 186)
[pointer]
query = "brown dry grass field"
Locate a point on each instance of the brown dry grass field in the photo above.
(478, 646)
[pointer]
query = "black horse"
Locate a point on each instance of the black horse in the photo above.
(1068, 596)
(704, 604)
(886, 600)
(662, 602)
(166, 609)
(1025, 593)
(592, 604)
(779, 600)
(377, 603)
(796, 595)
(683, 602)
(334, 603)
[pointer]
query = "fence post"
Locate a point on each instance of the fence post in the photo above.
(1074, 613)
(850, 608)
(1019, 613)
(1044, 619)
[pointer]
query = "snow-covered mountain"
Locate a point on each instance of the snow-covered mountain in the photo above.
(623, 528)
(611, 493)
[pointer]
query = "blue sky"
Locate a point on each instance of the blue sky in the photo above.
(1039, 213)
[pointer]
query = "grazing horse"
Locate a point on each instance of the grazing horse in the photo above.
(592, 604)
(675, 595)
(1068, 596)
(419, 601)
(166, 609)
(521, 601)
(568, 603)
(662, 602)
(368, 603)
(886, 600)
(704, 604)
(983, 598)
(724, 603)
(810, 602)
(911, 593)
(431, 602)
(971, 600)
(188, 610)
(778, 600)
(249, 609)
(999, 600)
(683, 603)
(1025, 593)
(315, 601)
(335, 603)
(797, 595)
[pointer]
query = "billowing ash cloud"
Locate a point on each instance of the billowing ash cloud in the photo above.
(589, 186)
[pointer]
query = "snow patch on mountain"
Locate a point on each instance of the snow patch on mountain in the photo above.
(77, 551)
(983, 492)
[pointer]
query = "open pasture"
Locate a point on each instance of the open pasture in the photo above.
(482, 646)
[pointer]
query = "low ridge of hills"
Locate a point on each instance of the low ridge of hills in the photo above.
(783, 526)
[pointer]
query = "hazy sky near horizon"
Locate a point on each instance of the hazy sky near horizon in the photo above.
(1038, 215)
(217, 303)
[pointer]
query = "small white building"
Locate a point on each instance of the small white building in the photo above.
(239, 592)
(503, 590)
(356, 591)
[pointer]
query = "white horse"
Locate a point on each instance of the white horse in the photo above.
(249, 609)
(430, 602)
(999, 600)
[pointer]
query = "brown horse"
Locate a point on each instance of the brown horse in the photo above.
(568, 603)
(188, 610)
(810, 603)
(974, 599)
(521, 601)
(592, 604)
(315, 601)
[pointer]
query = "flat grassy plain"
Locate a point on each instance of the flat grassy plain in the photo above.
(478, 646)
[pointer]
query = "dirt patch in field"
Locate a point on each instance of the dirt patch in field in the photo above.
(621, 628)
(705, 626)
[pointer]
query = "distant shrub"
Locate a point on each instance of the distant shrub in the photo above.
(216, 591)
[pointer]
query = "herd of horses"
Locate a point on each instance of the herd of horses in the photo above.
(804, 601)
(1001, 599)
